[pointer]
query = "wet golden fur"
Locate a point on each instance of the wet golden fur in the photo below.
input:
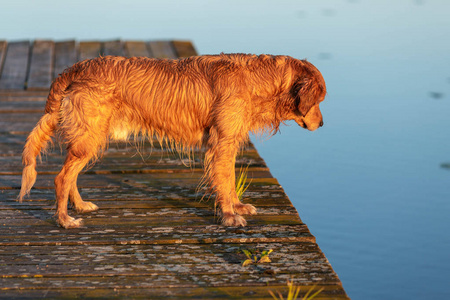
(204, 101)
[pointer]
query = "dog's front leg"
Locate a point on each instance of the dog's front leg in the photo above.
(220, 171)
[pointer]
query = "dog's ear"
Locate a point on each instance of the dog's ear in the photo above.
(306, 93)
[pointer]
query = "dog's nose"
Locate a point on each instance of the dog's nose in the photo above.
(321, 123)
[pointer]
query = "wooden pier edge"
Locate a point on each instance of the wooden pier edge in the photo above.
(154, 236)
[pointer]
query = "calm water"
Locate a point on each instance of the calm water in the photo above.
(369, 183)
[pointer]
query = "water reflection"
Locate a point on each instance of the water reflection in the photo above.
(325, 55)
(436, 95)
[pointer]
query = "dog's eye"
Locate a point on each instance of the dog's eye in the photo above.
(295, 89)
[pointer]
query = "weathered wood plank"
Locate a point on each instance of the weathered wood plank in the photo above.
(122, 268)
(266, 205)
(145, 210)
(152, 252)
(15, 66)
(9, 107)
(41, 65)
(65, 56)
(122, 233)
(115, 189)
(146, 205)
(11, 95)
(142, 177)
(19, 121)
(3, 47)
(73, 238)
(89, 49)
(107, 167)
(136, 48)
(184, 212)
(162, 49)
(93, 222)
(261, 192)
(148, 290)
(184, 48)
(113, 48)
(167, 179)
(150, 162)
(140, 147)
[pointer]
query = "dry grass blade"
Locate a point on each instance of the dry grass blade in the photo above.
(294, 291)
(241, 187)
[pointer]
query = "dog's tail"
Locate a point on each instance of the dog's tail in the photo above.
(41, 134)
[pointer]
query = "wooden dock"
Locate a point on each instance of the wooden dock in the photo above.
(152, 237)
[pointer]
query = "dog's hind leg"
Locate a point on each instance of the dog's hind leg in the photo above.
(64, 181)
(80, 205)
(85, 117)
(80, 151)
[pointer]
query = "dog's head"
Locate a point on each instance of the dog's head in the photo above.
(308, 90)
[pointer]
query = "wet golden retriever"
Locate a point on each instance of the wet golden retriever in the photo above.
(204, 101)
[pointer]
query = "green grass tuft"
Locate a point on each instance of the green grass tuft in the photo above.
(255, 258)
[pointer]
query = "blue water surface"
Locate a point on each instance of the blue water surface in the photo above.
(371, 184)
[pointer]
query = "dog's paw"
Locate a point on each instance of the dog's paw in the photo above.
(85, 207)
(245, 209)
(70, 222)
(233, 220)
